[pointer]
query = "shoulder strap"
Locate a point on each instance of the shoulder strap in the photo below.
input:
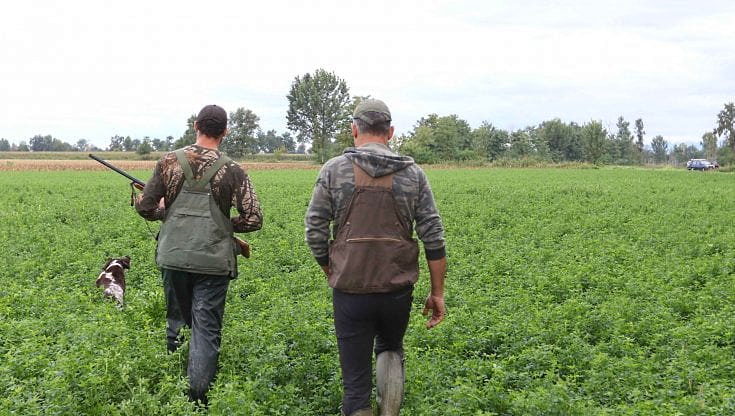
(209, 174)
(363, 179)
(181, 158)
(206, 176)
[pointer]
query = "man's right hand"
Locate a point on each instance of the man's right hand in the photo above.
(438, 310)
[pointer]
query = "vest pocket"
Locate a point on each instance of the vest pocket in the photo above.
(372, 264)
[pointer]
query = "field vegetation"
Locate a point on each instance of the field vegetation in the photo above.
(570, 292)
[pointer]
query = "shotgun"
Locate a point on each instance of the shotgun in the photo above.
(138, 184)
(134, 181)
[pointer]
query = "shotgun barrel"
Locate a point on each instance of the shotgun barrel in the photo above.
(120, 171)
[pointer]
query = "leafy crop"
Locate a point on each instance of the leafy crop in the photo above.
(570, 292)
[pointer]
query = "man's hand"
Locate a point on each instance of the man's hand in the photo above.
(436, 305)
(325, 268)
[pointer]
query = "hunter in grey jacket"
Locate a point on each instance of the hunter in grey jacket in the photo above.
(335, 186)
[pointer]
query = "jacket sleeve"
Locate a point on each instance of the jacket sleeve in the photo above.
(146, 203)
(246, 202)
(429, 227)
(318, 217)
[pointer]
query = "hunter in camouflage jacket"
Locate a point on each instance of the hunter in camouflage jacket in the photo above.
(231, 187)
(336, 183)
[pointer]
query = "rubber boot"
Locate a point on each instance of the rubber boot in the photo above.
(389, 378)
(363, 412)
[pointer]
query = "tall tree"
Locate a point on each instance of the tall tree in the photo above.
(288, 142)
(317, 107)
(726, 125)
(639, 133)
(158, 145)
(270, 141)
(145, 147)
(563, 140)
(4, 145)
(679, 154)
(520, 144)
(489, 141)
(81, 145)
(436, 138)
(41, 143)
(624, 140)
(594, 141)
(128, 144)
(709, 145)
(241, 138)
(116, 143)
(660, 148)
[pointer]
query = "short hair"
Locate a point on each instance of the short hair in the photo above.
(212, 121)
(380, 128)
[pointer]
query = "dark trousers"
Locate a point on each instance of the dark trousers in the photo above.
(196, 301)
(365, 324)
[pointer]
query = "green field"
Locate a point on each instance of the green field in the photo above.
(570, 292)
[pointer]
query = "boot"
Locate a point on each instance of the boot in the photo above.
(389, 378)
(363, 412)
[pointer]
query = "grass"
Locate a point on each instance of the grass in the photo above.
(570, 292)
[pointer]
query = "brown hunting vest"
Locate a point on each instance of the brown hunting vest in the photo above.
(373, 251)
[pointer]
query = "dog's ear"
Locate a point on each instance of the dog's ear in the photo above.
(125, 261)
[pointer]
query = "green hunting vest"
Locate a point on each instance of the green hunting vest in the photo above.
(195, 235)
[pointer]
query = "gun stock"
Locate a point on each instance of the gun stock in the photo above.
(244, 247)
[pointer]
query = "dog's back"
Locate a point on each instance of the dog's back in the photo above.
(112, 278)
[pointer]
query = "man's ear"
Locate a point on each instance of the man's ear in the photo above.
(390, 133)
(353, 127)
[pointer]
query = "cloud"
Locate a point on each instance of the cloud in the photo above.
(86, 69)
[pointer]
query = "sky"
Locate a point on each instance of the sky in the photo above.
(90, 70)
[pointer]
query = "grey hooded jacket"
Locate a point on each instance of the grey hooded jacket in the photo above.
(336, 183)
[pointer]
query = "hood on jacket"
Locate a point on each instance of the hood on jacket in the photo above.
(377, 160)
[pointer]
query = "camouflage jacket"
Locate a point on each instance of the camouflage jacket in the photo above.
(231, 187)
(336, 183)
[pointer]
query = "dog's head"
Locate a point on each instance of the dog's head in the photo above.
(123, 262)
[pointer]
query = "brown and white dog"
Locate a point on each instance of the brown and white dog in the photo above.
(112, 278)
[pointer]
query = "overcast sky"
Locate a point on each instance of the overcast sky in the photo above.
(94, 69)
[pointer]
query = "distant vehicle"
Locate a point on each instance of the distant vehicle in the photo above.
(701, 164)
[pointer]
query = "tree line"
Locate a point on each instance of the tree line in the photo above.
(320, 112)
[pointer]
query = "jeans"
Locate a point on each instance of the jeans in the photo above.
(365, 324)
(196, 301)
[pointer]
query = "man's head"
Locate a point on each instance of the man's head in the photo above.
(211, 121)
(372, 117)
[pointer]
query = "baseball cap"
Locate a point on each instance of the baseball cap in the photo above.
(213, 118)
(372, 111)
